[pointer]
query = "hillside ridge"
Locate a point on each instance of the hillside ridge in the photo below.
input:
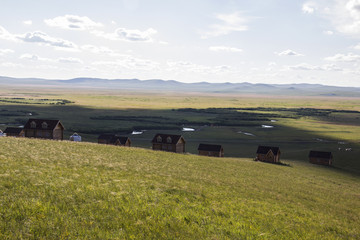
(160, 85)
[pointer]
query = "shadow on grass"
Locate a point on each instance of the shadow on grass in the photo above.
(283, 164)
(221, 128)
(277, 163)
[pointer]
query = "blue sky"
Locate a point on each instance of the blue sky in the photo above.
(272, 41)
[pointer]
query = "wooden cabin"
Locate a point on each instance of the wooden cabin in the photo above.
(268, 154)
(211, 150)
(113, 139)
(169, 143)
(322, 158)
(44, 128)
(14, 132)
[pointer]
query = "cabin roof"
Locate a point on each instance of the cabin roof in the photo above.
(266, 149)
(320, 154)
(112, 138)
(174, 138)
(13, 130)
(106, 136)
(209, 147)
(122, 140)
(51, 124)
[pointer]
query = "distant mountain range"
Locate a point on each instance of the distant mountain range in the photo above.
(158, 85)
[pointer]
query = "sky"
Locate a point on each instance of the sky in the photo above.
(256, 41)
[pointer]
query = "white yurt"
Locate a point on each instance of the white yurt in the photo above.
(75, 137)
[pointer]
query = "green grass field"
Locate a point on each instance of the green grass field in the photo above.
(302, 123)
(67, 190)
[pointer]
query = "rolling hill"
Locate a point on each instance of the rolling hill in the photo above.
(67, 190)
(158, 85)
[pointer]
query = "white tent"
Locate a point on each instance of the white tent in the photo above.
(2, 134)
(75, 137)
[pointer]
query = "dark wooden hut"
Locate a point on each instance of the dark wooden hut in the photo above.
(322, 158)
(113, 139)
(268, 154)
(211, 150)
(14, 132)
(44, 128)
(169, 143)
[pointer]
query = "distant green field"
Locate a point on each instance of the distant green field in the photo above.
(33, 101)
(66, 190)
(235, 121)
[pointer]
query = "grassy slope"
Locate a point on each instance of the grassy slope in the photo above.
(64, 190)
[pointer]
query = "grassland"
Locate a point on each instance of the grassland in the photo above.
(65, 190)
(302, 123)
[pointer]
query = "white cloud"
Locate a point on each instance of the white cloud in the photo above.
(224, 49)
(350, 57)
(289, 52)
(304, 66)
(347, 17)
(32, 57)
(222, 68)
(47, 67)
(99, 50)
(343, 14)
(331, 67)
(328, 32)
(131, 35)
(357, 47)
(135, 35)
(129, 62)
(309, 7)
(11, 65)
(4, 34)
(271, 66)
(38, 37)
(309, 67)
(27, 22)
(184, 66)
(5, 51)
(72, 22)
(233, 22)
(70, 60)
(43, 38)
